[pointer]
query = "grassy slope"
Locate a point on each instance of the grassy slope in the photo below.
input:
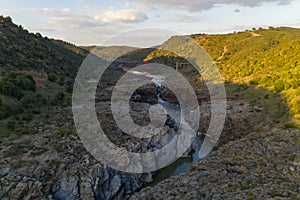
(261, 66)
(53, 64)
(250, 61)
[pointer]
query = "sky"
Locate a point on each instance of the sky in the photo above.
(146, 22)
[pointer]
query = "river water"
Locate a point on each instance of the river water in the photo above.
(181, 163)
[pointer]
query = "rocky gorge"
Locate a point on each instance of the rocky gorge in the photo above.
(52, 163)
(261, 165)
(256, 157)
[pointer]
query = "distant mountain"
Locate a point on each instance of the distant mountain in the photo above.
(109, 53)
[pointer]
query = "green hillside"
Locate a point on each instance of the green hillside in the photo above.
(261, 66)
(42, 157)
(263, 58)
(35, 72)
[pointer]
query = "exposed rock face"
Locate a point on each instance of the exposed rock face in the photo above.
(146, 93)
(262, 165)
(51, 163)
(98, 182)
(168, 95)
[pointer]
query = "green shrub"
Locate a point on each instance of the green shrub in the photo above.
(14, 84)
(60, 96)
(10, 109)
(24, 82)
(15, 150)
(279, 86)
(290, 125)
(29, 101)
(10, 89)
(69, 88)
(52, 77)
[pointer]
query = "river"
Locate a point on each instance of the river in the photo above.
(181, 163)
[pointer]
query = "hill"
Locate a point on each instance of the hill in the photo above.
(260, 69)
(35, 72)
(41, 155)
(263, 58)
(109, 53)
(40, 151)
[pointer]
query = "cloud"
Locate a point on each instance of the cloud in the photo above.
(71, 22)
(199, 5)
(85, 27)
(66, 19)
(50, 11)
(123, 16)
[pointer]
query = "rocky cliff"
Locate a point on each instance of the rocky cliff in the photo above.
(261, 165)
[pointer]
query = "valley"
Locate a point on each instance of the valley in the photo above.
(256, 157)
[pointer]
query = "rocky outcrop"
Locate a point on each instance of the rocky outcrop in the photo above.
(51, 163)
(146, 93)
(168, 96)
(262, 165)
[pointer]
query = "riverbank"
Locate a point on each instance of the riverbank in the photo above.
(261, 165)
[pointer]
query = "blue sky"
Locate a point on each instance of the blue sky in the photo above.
(88, 22)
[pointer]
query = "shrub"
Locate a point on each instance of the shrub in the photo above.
(290, 125)
(60, 96)
(14, 83)
(24, 82)
(10, 89)
(28, 101)
(279, 86)
(52, 77)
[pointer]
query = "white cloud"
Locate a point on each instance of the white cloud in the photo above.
(71, 22)
(198, 5)
(65, 18)
(84, 27)
(51, 12)
(123, 16)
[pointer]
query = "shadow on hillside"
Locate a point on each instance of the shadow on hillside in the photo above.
(253, 108)
(249, 107)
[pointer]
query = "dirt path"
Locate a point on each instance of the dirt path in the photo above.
(224, 52)
(252, 36)
(255, 34)
(226, 47)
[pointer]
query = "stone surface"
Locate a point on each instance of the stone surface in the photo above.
(261, 165)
